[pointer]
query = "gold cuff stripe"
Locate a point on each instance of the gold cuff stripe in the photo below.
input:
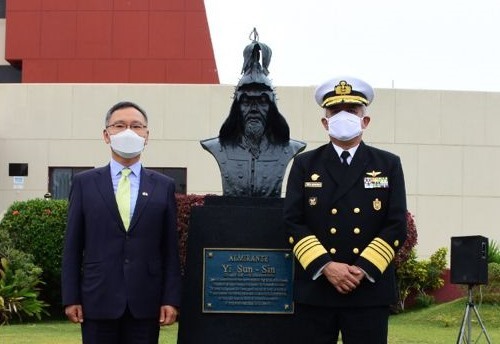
(304, 245)
(340, 98)
(379, 253)
(384, 248)
(308, 249)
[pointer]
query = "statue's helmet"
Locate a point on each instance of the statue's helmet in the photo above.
(254, 81)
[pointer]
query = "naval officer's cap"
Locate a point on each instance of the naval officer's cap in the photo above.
(344, 90)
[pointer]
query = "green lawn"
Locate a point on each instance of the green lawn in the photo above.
(434, 325)
(441, 324)
(60, 332)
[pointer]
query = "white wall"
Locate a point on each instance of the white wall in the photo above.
(2, 42)
(449, 142)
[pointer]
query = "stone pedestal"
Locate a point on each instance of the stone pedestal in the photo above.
(231, 223)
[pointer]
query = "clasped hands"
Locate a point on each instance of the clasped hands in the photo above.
(344, 277)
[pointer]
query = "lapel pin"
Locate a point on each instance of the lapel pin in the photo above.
(145, 194)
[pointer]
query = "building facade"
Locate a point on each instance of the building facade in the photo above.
(64, 63)
(450, 158)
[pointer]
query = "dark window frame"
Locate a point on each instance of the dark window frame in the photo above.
(179, 174)
(2, 9)
(62, 191)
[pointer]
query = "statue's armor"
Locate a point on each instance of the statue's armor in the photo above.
(244, 175)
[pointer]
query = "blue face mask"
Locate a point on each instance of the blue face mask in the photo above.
(344, 126)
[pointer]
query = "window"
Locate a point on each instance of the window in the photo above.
(18, 170)
(2, 9)
(10, 74)
(60, 179)
(177, 173)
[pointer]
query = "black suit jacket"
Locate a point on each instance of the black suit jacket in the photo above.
(106, 268)
(355, 216)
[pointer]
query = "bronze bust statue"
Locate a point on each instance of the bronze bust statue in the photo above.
(254, 147)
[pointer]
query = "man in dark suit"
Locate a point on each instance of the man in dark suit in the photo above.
(120, 269)
(345, 214)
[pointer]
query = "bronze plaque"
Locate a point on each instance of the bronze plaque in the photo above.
(247, 280)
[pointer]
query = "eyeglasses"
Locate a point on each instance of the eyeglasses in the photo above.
(119, 127)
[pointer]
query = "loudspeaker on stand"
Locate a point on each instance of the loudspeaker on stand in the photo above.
(469, 260)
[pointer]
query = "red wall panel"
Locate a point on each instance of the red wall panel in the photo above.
(22, 35)
(184, 71)
(95, 5)
(170, 5)
(208, 72)
(131, 5)
(59, 5)
(94, 34)
(58, 31)
(140, 41)
(105, 70)
(130, 35)
(147, 71)
(75, 70)
(36, 70)
(25, 5)
(195, 5)
(167, 35)
(198, 43)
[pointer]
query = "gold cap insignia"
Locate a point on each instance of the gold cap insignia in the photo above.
(343, 88)
(373, 173)
(315, 177)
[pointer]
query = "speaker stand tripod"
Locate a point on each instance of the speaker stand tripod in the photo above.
(465, 330)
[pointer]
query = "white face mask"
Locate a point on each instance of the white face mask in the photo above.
(344, 126)
(127, 144)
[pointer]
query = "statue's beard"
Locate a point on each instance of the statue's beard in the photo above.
(254, 130)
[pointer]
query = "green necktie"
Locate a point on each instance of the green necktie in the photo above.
(123, 197)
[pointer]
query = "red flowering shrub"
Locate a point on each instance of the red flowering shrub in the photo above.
(404, 259)
(411, 241)
(184, 205)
